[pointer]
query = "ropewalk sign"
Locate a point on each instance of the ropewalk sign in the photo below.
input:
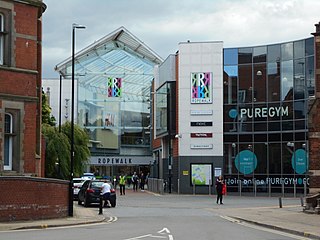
(120, 160)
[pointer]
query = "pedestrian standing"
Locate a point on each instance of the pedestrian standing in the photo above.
(105, 193)
(142, 181)
(219, 188)
(122, 183)
(135, 180)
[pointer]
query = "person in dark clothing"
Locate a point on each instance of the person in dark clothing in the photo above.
(219, 188)
(135, 181)
(142, 181)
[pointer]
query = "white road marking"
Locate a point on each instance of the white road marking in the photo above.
(166, 230)
(164, 235)
(261, 228)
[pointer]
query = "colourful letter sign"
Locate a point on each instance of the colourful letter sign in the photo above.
(201, 91)
(114, 87)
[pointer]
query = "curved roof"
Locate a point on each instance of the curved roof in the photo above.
(118, 54)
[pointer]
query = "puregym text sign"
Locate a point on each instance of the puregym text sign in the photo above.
(260, 112)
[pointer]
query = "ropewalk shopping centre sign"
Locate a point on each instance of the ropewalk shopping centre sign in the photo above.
(120, 160)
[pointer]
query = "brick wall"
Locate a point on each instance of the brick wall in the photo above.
(28, 198)
(26, 26)
(29, 141)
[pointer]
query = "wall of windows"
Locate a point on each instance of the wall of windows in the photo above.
(266, 91)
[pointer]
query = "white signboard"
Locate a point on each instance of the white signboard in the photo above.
(201, 146)
(201, 112)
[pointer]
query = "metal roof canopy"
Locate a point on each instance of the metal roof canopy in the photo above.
(118, 54)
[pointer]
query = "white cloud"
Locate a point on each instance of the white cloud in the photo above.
(162, 24)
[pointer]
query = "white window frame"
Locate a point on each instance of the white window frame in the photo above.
(8, 138)
(1, 38)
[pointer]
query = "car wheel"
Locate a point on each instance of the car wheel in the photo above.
(113, 203)
(86, 202)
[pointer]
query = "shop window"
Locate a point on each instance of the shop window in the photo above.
(8, 139)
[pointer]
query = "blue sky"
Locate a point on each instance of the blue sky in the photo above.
(162, 24)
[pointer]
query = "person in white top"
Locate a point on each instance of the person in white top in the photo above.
(105, 193)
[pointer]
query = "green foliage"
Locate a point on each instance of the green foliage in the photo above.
(58, 146)
(47, 118)
(57, 152)
(81, 150)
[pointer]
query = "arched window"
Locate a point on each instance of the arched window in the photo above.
(8, 135)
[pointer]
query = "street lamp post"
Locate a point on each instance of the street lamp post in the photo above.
(74, 27)
(169, 133)
(291, 144)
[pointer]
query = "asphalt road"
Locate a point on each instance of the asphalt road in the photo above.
(146, 216)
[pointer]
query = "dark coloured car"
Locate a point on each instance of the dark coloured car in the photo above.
(90, 193)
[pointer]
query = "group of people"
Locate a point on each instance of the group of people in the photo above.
(141, 180)
(138, 181)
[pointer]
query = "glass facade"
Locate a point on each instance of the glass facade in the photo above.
(117, 113)
(266, 91)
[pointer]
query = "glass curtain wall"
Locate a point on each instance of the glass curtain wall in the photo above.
(266, 90)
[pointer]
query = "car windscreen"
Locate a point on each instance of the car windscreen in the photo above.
(96, 184)
(77, 181)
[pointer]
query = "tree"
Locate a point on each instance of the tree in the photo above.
(58, 145)
(57, 152)
(81, 149)
(46, 111)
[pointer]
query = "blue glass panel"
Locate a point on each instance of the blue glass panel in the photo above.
(230, 56)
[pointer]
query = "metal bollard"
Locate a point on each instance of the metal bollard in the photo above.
(100, 205)
(301, 201)
(194, 187)
(280, 202)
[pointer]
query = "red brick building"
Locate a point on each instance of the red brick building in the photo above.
(20, 87)
(314, 119)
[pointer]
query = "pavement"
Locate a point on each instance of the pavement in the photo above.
(289, 218)
(81, 216)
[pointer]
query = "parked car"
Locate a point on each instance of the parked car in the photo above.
(88, 176)
(90, 193)
(77, 183)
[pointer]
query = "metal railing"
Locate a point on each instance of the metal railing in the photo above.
(156, 185)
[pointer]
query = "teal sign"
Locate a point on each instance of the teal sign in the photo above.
(233, 113)
(246, 161)
(299, 161)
